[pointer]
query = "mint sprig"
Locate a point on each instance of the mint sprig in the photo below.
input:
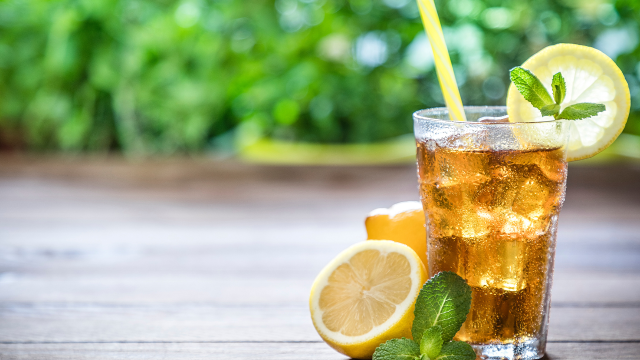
(441, 308)
(534, 92)
(431, 342)
(558, 87)
(581, 111)
(530, 87)
(444, 300)
(456, 350)
(397, 349)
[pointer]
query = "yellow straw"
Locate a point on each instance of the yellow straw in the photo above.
(443, 62)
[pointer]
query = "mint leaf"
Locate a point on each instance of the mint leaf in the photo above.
(550, 110)
(397, 349)
(431, 342)
(444, 300)
(559, 88)
(530, 87)
(534, 92)
(581, 111)
(456, 350)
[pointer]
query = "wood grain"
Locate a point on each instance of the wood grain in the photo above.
(570, 289)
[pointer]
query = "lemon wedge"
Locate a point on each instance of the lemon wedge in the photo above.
(403, 222)
(366, 295)
(590, 76)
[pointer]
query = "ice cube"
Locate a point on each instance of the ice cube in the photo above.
(514, 225)
(538, 199)
(552, 165)
(454, 210)
(494, 119)
(497, 263)
(457, 223)
(476, 138)
(472, 224)
(501, 190)
(455, 167)
(531, 197)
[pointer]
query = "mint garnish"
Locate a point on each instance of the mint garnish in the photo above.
(550, 110)
(534, 92)
(397, 349)
(581, 111)
(444, 300)
(431, 342)
(456, 350)
(530, 87)
(559, 88)
(441, 308)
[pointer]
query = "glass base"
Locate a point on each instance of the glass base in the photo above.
(526, 350)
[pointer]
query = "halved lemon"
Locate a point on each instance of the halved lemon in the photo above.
(403, 222)
(366, 295)
(590, 76)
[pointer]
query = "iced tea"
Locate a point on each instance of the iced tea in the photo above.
(492, 195)
(492, 219)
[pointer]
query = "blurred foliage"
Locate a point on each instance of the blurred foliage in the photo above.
(160, 76)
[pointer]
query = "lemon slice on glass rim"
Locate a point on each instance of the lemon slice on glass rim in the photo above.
(590, 76)
(366, 296)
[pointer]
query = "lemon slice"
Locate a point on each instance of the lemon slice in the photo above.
(590, 76)
(366, 295)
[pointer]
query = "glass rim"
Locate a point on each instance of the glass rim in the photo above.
(423, 115)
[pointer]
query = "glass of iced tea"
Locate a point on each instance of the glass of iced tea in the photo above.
(492, 191)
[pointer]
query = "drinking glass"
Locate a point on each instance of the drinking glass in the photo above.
(491, 192)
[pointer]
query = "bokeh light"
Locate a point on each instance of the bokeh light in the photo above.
(160, 77)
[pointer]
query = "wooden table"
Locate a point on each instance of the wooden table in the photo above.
(206, 259)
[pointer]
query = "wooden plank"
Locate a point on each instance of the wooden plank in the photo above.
(164, 289)
(594, 287)
(280, 351)
(594, 193)
(587, 246)
(254, 185)
(202, 322)
(175, 262)
(156, 263)
(577, 289)
(205, 249)
(46, 201)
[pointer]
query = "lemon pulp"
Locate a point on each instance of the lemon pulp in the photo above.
(366, 295)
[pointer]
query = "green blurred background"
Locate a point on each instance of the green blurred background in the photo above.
(166, 77)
